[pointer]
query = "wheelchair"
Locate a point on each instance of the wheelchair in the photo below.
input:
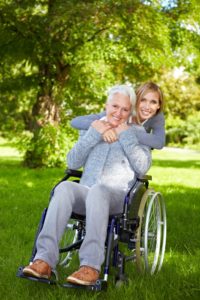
(137, 235)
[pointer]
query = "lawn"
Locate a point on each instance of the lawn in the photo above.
(24, 193)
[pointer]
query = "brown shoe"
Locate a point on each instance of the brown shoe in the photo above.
(84, 276)
(39, 269)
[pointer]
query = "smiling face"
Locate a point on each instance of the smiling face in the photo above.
(148, 105)
(118, 109)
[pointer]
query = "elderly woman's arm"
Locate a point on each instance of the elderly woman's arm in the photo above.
(138, 155)
(77, 156)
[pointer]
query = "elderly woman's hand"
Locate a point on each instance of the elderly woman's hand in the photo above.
(121, 127)
(110, 136)
(101, 126)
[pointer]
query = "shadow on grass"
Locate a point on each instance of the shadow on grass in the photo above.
(176, 280)
(14, 167)
(190, 164)
(183, 210)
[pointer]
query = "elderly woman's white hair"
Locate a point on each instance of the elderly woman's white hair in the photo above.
(125, 90)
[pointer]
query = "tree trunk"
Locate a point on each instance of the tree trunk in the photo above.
(45, 114)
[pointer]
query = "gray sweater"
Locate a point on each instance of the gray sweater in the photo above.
(154, 136)
(114, 164)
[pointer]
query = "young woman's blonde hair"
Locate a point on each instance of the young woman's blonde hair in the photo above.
(145, 88)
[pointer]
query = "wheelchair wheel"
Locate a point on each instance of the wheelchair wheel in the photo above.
(69, 237)
(151, 233)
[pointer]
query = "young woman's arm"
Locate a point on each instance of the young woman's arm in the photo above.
(156, 138)
(84, 122)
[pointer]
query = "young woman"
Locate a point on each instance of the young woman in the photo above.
(149, 116)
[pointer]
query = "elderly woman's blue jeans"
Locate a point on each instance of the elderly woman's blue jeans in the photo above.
(97, 203)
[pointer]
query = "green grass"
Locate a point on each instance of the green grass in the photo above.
(24, 194)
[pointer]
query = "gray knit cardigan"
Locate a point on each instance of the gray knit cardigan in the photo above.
(114, 164)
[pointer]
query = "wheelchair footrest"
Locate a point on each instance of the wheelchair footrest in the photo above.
(43, 280)
(98, 286)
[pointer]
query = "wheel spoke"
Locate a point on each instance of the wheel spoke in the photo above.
(151, 234)
(73, 233)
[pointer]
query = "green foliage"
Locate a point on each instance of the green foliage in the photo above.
(48, 148)
(181, 93)
(58, 57)
(182, 107)
(184, 133)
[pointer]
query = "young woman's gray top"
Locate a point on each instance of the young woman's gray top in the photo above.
(115, 164)
(154, 136)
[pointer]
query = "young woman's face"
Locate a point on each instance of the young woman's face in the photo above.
(148, 106)
(118, 109)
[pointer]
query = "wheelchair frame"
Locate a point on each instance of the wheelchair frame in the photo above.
(142, 226)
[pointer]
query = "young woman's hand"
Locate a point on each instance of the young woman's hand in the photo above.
(101, 126)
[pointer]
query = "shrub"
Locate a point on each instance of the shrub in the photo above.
(48, 148)
(184, 132)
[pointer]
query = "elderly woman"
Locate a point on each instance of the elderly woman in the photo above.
(109, 172)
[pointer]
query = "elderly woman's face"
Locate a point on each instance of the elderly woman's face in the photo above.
(118, 109)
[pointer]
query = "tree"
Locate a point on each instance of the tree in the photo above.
(57, 58)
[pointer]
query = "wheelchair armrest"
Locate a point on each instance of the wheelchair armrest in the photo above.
(144, 178)
(75, 173)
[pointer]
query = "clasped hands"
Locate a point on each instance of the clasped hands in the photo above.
(109, 133)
